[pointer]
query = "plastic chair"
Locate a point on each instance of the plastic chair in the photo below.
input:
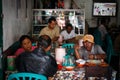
(69, 48)
(26, 76)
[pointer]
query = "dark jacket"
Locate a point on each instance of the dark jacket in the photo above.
(36, 62)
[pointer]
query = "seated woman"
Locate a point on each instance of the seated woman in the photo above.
(26, 45)
(89, 50)
(38, 61)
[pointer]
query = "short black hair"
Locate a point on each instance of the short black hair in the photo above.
(44, 41)
(51, 19)
(23, 37)
(69, 25)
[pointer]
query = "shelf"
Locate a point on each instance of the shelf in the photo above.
(75, 16)
(42, 25)
(58, 10)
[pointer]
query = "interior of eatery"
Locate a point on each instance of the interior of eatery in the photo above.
(80, 39)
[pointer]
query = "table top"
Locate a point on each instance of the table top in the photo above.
(87, 72)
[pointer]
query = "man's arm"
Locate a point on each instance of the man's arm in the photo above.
(97, 56)
(76, 47)
(71, 40)
(55, 39)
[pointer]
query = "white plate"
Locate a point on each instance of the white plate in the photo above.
(94, 61)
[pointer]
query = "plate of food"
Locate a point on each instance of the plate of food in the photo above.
(103, 64)
(94, 61)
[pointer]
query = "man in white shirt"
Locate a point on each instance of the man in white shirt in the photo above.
(68, 34)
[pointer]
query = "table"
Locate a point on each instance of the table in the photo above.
(96, 72)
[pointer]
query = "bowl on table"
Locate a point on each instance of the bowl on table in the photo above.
(69, 68)
(80, 62)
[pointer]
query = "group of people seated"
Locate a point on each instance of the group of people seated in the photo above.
(34, 58)
(53, 31)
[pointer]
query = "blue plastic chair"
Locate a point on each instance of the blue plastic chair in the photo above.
(69, 48)
(26, 76)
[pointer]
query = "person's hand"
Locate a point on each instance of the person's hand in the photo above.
(55, 39)
(101, 56)
(91, 56)
(71, 40)
(77, 47)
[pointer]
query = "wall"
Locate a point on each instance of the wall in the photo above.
(14, 26)
(1, 32)
(118, 14)
(15, 22)
(92, 21)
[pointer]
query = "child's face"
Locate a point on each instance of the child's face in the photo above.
(27, 44)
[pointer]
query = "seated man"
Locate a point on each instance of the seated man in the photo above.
(89, 50)
(52, 30)
(38, 61)
(68, 34)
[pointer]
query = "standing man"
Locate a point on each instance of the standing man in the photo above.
(52, 30)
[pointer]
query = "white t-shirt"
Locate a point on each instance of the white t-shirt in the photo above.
(68, 36)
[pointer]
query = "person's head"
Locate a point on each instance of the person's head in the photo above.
(26, 42)
(45, 42)
(52, 22)
(88, 41)
(69, 28)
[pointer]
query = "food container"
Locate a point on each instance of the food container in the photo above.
(94, 61)
(11, 63)
(80, 62)
(69, 68)
(59, 54)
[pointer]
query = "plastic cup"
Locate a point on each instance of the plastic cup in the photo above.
(11, 63)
